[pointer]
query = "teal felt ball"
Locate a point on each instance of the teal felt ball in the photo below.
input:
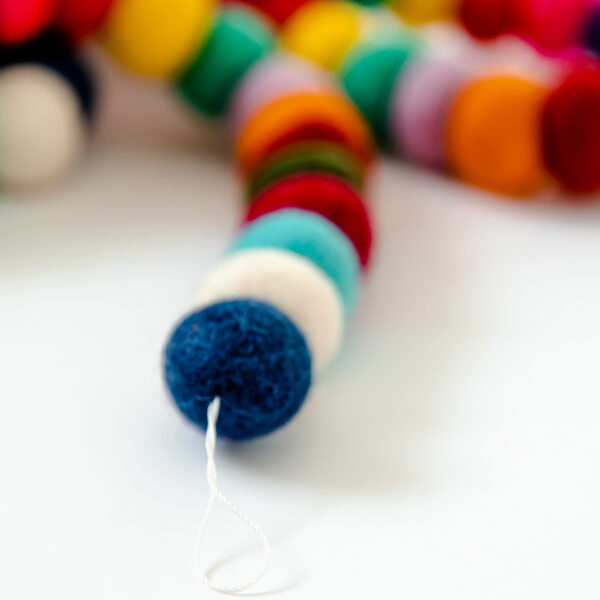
(313, 237)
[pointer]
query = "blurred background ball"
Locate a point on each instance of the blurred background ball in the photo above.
(22, 19)
(42, 128)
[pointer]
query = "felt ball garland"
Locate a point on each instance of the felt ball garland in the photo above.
(410, 99)
(298, 253)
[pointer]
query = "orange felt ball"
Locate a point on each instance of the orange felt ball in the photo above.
(300, 117)
(494, 134)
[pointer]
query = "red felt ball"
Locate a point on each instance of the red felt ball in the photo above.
(20, 20)
(486, 19)
(277, 10)
(552, 25)
(571, 131)
(79, 18)
(325, 195)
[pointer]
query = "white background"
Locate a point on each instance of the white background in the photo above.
(451, 452)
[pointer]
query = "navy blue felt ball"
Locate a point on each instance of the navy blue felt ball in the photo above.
(247, 353)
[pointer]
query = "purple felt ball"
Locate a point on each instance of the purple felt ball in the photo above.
(420, 105)
(270, 78)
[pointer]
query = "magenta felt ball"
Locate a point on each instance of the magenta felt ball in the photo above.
(420, 105)
(552, 25)
(270, 78)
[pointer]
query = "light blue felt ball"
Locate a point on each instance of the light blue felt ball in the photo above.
(313, 237)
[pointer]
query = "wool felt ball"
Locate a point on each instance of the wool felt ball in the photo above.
(42, 130)
(325, 195)
(156, 38)
(323, 32)
(302, 117)
(494, 134)
(369, 73)
(246, 353)
(293, 284)
(552, 25)
(420, 105)
(79, 18)
(20, 20)
(486, 19)
(313, 237)
(571, 131)
(307, 158)
(270, 78)
(53, 50)
(425, 11)
(237, 40)
(277, 10)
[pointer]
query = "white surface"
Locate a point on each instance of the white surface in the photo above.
(450, 452)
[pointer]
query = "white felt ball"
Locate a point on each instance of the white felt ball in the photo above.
(289, 282)
(42, 129)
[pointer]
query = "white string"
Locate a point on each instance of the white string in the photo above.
(215, 493)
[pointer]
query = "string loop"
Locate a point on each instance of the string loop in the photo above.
(216, 494)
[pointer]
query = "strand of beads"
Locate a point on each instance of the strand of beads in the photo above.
(489, 128)
(271, 314)
(47, 100)
(550, 25)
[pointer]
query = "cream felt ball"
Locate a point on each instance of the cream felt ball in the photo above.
(42, 127)
(289, 282)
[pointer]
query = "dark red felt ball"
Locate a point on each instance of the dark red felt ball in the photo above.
(79, 18)
(325, 195)
(486, 19)
(277, 10)
(571, 131)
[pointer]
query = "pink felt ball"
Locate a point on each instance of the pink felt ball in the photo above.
(273, 77)
(420, 105)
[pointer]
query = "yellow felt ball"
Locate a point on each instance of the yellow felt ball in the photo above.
(425, 11)
(323, 31)
(156, 37)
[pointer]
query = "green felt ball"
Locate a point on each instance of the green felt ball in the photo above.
(308, 157)
(369, 73)
(237, 40)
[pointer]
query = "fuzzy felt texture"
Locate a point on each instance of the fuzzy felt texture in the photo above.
(289, 282)
(237, 40)
(328, 196)
(248, 354)
(305, 159)
(313, 237)
(20, 20)
(571, 131)
(53, 50)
